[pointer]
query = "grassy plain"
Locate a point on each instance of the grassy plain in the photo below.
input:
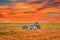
(14, 31)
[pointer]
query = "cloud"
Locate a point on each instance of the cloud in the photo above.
(1, 16)
(12, 2)
(37, 2)
(22, 0)
(6, 2)
(50, 1)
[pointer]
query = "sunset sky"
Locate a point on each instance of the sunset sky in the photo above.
(30, 10)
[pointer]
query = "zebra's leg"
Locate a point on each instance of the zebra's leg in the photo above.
(34, 27)
(29, 28)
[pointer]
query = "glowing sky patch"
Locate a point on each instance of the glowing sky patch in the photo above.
(10, 2)
(28, 10)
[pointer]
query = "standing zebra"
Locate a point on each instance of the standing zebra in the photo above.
(36, 25)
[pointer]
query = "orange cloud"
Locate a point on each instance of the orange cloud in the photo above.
(18, 12)
(57, 0)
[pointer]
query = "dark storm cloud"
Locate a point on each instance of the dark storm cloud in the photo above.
(52, 3)
(50, 0)
(36, 2)
(10, 2)
(41, 1)
(6, 2)
(22, 0)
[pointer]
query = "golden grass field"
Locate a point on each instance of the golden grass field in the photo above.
(14, 31)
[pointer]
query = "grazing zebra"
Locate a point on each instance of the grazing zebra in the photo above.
(30, 26)
(36, 25)
(24, 27)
